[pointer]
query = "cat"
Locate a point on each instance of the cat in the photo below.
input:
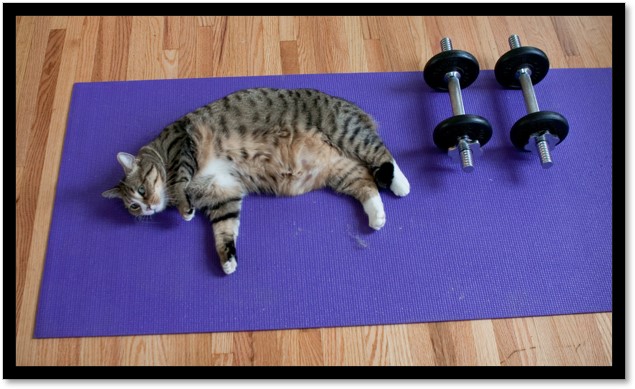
(263, 140)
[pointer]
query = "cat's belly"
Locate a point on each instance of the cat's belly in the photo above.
(304, 177)
(296, 166)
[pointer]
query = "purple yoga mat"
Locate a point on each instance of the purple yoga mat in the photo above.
(508, 240)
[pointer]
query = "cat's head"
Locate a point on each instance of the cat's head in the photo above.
(143, 189)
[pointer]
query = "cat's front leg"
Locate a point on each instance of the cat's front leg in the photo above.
(224, 214)
(183, 202)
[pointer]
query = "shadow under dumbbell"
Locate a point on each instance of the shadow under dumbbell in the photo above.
(430, 166)
(418, 104)
(433, 161)
(503, 154)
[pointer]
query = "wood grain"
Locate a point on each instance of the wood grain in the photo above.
(38, 135)
(111, 52)
(187, 46)
(53, 53)
(29, 86)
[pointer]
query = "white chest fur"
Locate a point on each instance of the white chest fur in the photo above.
(218, 171)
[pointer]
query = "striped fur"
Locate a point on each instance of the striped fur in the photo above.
(276, 141)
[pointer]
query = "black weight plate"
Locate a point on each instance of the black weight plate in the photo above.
(447, 133)
(449, 61)
(536, 122)
(507, 65)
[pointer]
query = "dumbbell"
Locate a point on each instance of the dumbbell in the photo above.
(460, 135)
(539, 131)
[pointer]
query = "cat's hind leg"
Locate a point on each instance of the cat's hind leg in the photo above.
(222, 207)
(399, 184)
(353, 178)
(357, 137)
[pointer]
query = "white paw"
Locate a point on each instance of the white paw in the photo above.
(378, 221)
(230, 266)
(189, 216)
(374, 208)
(400, 185)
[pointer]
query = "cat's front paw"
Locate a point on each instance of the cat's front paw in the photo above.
(374, 208)
(230, 265)
(377, 221)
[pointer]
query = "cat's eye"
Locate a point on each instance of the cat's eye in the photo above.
(141, 190)
(134, 206)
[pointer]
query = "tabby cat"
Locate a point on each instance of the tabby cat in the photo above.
(264, 140)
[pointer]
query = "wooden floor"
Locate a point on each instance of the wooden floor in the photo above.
(55, 52)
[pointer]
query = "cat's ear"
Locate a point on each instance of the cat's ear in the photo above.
(127, 161)
(112, 193)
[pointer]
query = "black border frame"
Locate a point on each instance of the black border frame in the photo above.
(616, 10)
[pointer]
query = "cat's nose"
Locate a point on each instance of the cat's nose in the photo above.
(151, 207)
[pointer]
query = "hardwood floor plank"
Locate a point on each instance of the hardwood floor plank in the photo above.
(597, 49)
(87, 47)
(486, 43)
(398, 45)
(111, 53)
(515, 340)
(30, 190)
(375, 55)
(485, 343)
(399, 350)
(417, 26)
(187, 46)
(357, 61)
(455, 344)
(581, 340)
(170, 63)
(64, 352)
(322, 45)
(288, 26)
(310, 348)
(24, 37)
(272, 63)
(204, 21)
(443, 345)
(145, 50)
(59, 22)
(267, 348)
(344, 346)
(211, 47)
(242, 46)
(243, 348)
(171, 32)
(548, 343)
(222, 360)
(604, 323)
(25, 107)
(101, 351)
(376, 344)
(420, 342)
(370, 29)
(289, 57)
